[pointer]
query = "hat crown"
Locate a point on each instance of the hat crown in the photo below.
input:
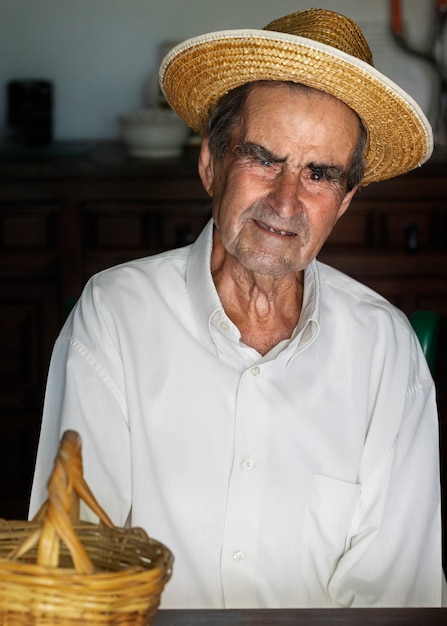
(325, 27)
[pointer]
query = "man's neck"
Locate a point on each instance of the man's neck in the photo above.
(265, 308)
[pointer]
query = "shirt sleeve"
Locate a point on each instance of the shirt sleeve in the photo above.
(393, 553)
(85, 393)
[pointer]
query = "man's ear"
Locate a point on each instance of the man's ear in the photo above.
(206, 168)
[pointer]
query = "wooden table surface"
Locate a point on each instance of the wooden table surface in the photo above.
(303, 617)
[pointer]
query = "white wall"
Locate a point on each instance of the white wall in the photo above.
(101, 53)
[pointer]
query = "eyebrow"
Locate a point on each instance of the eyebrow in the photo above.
(255, 151)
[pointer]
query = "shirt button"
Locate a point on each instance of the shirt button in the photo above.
(255, 371)
(225, 326)
(247, 464)
(238, 556)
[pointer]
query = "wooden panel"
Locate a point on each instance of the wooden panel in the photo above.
(18, 436)
(117, 226)
(18, 337)
(28, 227)
(29, 322)
(180, 225)
(352, 229)
(410, 227)
(303, 617)
(29, 240)
(115, 233)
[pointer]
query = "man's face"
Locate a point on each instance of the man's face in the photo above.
(281, 186)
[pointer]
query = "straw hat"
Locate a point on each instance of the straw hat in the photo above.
(318, 48)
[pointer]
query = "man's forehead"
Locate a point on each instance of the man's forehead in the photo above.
(272, 110)
(270, 100)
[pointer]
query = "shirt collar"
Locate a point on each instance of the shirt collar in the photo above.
(206, 303)
(199, 282)
(309, 323)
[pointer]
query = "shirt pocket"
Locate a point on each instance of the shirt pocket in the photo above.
(331, 504)
(332, 501)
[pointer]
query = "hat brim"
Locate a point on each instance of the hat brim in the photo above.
(197, 73)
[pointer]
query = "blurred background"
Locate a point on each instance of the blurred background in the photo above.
(101, 56)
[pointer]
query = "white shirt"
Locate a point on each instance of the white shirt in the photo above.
(305, 478)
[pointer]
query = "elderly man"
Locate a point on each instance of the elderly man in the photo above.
(268, 418)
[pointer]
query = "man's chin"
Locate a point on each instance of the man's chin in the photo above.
(270, 265)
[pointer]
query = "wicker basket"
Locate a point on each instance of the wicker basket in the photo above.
(56, 570)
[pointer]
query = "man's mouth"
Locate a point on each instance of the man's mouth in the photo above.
(284, 233)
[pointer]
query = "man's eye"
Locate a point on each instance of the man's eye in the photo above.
(327, 173)
(318, 173)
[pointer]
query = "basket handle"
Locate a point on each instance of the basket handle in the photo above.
(61, 510)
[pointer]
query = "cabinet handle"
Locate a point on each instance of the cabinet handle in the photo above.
(411, 235)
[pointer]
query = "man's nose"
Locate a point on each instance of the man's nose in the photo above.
(285, 195)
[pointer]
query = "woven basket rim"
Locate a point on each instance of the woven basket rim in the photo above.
(160, 559)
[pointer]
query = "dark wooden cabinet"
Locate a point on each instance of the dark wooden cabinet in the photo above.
(61, 220)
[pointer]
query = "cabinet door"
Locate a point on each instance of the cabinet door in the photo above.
(28, 325)
(114, 232)
(180, 224)
(29, 322)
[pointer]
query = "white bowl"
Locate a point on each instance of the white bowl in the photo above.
(153, 133)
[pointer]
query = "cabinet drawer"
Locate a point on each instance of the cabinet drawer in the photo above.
(352, 229)
(118, 226)
(32, 227)
(407, 227)
(180, 226)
